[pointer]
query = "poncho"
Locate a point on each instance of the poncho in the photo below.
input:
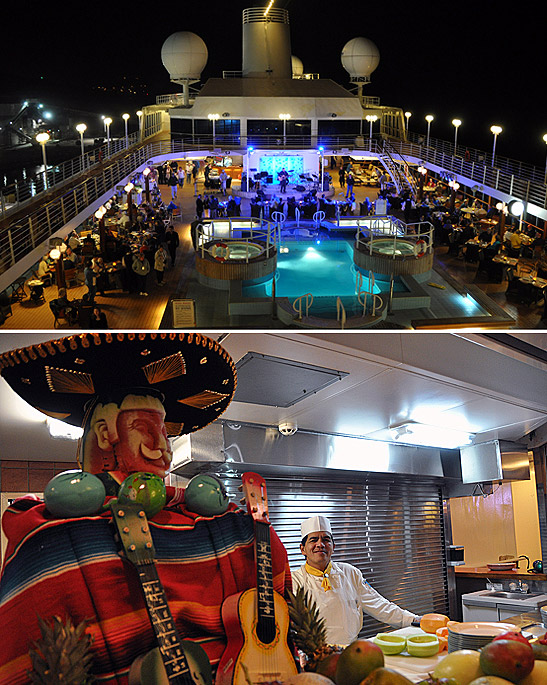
(71, 567)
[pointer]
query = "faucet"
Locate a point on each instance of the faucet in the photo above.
(519, 587)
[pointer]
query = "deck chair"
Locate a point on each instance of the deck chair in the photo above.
(70, 277)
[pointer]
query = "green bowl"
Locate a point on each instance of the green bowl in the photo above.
(390, 644)
(422, 645)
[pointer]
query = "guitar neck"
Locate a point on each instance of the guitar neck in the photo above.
(169, 642)
(264, 582)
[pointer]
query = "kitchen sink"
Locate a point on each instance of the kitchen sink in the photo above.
(513, 595)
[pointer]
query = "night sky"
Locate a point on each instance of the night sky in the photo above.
(478, 61)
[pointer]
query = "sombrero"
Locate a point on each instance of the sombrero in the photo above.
(195, 375)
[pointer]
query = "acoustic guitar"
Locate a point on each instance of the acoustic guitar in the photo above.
(174, 661)
(256, 621)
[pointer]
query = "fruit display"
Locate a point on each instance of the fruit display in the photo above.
(357, 661)
(430, 623)
(510, 659)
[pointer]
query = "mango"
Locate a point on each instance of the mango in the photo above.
(385, 676)
(357, 661)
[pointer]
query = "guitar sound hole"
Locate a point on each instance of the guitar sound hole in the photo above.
(266, 631)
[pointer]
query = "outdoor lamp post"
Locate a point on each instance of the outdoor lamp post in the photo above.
(422, 171)
(284, 118)
(429, 118)
(516, 208)
(454, 186)
(496, 130)
(502, 209)
(107, 122)
(456, 123)
(140, 115)
(42, 138)
(213, 118)
(321, 149)
(250, 151)
(125, 117)
(82, 128)
(146, 174)
(371, 118)
(407, 116)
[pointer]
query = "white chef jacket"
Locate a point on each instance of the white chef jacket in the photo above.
(343, 606)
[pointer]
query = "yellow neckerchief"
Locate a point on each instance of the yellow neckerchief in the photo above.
(316, 572)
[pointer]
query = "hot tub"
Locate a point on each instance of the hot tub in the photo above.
(235, 250)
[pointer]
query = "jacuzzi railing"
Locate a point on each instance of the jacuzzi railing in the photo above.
(371, 232)
(231, 229)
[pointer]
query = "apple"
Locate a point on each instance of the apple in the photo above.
(510, 659)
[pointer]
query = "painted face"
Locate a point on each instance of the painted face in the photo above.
(318, 549)
(143, 444)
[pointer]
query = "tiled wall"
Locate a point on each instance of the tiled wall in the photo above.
(29, 476)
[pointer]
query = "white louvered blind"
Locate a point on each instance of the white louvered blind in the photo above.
(389, 526)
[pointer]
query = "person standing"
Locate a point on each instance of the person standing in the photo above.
(141, 268)
(172, 181)
(349, 184)
(172, 241)
(342, 177)
(199, 207)
(90, 280)
(339, 590)
(160, 259)
(189, 166)
(223, 177)
(180, 176)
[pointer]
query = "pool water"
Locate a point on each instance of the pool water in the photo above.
(324, 269)
(402, 248)
(237, 250)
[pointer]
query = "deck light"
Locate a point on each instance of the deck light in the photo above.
(407, 115)
(496, 130)
(429, 118)
(125, 117)
(82, 128)
(284, 118)
(456, 123)
(42, 138)
(371, 118)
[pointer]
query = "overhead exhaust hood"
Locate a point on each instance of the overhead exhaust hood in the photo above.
(226, 445)
(494, 460)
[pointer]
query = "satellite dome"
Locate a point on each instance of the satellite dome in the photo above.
(184, 55)
(297, 66)
(360, 57)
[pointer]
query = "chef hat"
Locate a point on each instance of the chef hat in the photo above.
(314, 525)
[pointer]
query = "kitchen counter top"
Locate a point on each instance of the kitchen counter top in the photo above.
(485, 572)
(486, 598)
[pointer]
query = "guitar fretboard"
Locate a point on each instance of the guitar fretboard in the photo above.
(174, 659)
(264, 583)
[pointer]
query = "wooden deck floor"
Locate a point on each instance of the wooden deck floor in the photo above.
(126, 311)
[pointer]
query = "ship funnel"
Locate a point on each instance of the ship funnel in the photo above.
(266, 44)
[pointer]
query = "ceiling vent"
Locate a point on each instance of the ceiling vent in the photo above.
(276, 382)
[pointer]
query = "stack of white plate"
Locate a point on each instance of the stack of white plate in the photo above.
(474, 635)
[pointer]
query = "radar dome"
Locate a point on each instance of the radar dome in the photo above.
(360, 57)
(184, 55)
(297, 66)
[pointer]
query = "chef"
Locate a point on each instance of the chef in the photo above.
(339, 590)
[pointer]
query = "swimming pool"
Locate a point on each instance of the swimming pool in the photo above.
(324, 269)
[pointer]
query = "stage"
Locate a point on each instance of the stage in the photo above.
(271, 189)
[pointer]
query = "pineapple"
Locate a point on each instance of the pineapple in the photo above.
(63, 654)
(308, 629)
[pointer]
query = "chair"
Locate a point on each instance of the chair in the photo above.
(18, 292)
(70, 277)
(37, 293)
(5, 306)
